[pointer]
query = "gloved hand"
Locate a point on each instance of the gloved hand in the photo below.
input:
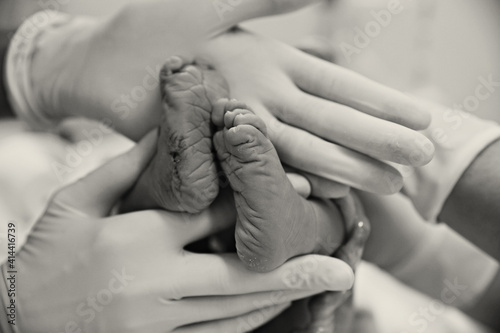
(329, 311)
(113, 63)
(130, 273)
(321, 118)
(107, 69)
(430, 258)
(458, 138)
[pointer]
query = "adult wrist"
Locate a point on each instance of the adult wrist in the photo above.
(460, 280)
(458, 138)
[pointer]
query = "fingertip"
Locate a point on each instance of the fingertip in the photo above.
(300, 183)
(412, 117)
(337, 275)
(385, 180)
(423, 122)
(392, 186)
(347, 277)
(422, 115)
(423, 151)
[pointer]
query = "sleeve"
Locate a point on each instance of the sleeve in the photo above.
(465, 271)
(18, 65)
(5, 108)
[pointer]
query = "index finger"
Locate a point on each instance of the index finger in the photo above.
(314, 155)
(332, 82)
(187, 228)
(226, 275)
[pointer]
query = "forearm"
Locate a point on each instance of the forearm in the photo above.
(431, 258)
(473, 208)
(486, 309)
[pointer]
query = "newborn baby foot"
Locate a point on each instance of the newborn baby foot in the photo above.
(274, 223)
(183, 175)
(329, 311)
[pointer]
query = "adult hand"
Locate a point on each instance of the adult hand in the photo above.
(323, 119)
(108, 68)
(329, 311)
(459, 138)
(130, 273)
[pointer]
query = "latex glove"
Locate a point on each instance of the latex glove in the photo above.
(458, 138)
(113, 63)
(129, 273)
(107, 69)
(307, 184)
(329, 311)
(430, 258)
(323, 119)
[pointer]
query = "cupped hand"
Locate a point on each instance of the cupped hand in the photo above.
(108, 68)
(130, 273)
(329, 311)
(323, 119)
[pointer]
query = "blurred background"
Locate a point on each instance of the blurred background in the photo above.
(438, 49)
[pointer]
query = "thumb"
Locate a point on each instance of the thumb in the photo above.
(97, 193)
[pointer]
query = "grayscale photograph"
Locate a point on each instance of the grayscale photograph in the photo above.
(234, 166)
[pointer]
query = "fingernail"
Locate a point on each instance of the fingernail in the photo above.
(362, 232)
(343, 279)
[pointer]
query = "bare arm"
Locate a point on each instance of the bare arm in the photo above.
(431, 258)
(473, 210)
(486, 309)
(473, 207)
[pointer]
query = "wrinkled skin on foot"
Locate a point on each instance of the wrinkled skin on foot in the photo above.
(329, 312)
(273, 223)
(183, 174)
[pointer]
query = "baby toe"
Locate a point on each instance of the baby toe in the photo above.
(173, 64)
(250, 119)
(230, 116)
